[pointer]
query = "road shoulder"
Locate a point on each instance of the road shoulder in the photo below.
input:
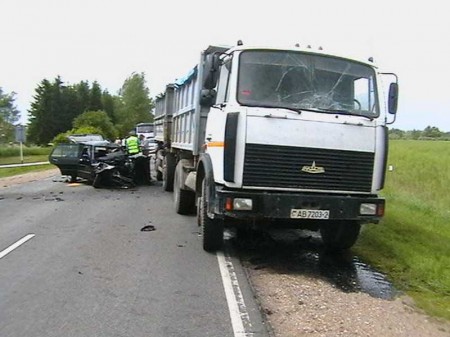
(28, 177)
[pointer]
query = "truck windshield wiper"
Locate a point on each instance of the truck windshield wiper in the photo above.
(297, 110)
(345, 112)
(270, 106)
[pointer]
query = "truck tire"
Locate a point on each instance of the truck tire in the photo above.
(169, 164)
(339, 235)
(199, 202)
(212, 229)
(184, 200)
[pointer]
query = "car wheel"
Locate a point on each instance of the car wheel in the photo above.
(97, 183)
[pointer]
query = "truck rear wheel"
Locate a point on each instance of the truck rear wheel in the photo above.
(340, 235)
(212, 229)
(169, 164)
(184, 200)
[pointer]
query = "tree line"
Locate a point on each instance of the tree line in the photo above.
(9, 115)
(429, 133)
(59, 109)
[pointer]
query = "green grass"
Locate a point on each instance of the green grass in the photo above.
(412, 243)
(9, 172)
(11, 155)
(26, 159)
(14, 151)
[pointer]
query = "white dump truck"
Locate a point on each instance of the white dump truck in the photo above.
(267, 137)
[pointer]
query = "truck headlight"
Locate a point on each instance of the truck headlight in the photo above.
(242, 204)
(368, 209)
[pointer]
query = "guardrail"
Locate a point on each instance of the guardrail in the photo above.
(25, 164)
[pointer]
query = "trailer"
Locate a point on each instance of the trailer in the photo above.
(265, 137)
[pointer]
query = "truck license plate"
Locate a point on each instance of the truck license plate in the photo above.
(309, 214)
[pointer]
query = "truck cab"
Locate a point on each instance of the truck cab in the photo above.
(284, 137)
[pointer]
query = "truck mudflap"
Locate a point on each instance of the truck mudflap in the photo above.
(297, 206)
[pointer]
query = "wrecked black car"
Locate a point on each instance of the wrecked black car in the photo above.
(101, 163)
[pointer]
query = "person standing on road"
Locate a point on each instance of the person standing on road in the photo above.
(132, 143)
(142, 164)
(143, 142)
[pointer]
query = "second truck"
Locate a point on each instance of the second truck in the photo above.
(263, 137)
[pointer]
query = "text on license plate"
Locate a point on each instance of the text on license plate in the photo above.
(309, 214)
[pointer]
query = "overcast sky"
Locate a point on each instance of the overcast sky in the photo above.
(108, 40)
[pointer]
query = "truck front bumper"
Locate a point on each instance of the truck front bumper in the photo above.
(276, 205)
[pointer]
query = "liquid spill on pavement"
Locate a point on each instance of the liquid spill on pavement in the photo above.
(348, 273)
(297, 252)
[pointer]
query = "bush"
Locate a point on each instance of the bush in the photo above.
(63, 137)
(98, 120)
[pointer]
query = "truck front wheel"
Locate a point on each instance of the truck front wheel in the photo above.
(340, 235)
(212, 229)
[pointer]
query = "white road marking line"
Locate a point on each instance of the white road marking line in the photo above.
(236, 305)
(8, 250)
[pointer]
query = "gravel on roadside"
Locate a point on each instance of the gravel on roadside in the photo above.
(301, 305)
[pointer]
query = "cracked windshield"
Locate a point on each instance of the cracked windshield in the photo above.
(299, 81)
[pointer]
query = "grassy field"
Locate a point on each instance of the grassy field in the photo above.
(11, 155)
(26, 159)
(9, 172)
(412, 243)
(14, 151)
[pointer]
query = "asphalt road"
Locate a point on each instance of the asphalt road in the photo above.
(89, 270)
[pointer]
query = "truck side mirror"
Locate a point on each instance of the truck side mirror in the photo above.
(211, 71)
(393, 98)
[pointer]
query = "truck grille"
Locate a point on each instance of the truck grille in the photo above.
(281, 166)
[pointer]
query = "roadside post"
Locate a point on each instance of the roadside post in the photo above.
(21, 138)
